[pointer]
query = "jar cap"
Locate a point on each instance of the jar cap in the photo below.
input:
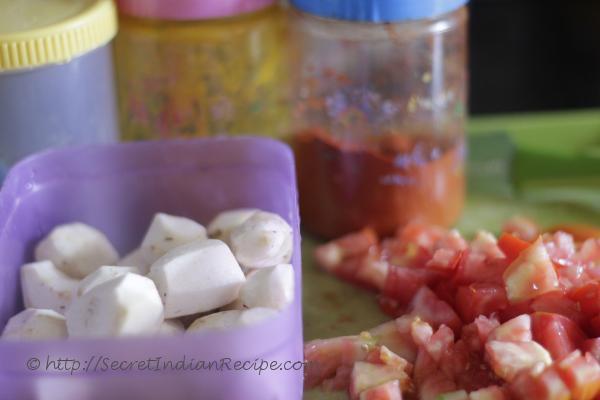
(190, 9)
(378, 10)
(34, 33)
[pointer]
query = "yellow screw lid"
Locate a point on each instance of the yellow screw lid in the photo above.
(34, 33)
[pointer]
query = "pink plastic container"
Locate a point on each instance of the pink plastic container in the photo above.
(117, 188)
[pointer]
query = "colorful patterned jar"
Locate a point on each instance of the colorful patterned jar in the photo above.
(201, 67)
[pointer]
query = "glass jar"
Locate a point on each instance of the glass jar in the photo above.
(56, 76)
(379, 94)
(201, 67)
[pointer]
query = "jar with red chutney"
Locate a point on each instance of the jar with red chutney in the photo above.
(379, 97)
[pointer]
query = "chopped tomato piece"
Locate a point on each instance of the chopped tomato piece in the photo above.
(425, 366)
(581, 374)
(467, 368)
(330, 256)
(383, 355)
(435, 385)
(512, 246)
(539, 385)
(476, 334)
(514, 310)
(422, 235)
(480, 299)
(403, 283)
(561, 247)
(580, 232)
(446, 291)
(517, 329)
(476, 267)
(372, 271)
(427, 306)
(589, 253)
(588, 297)
(439, 343)
(485, 243)
(558, 303)
(522, 227)
(386, 391)
(557, 333)
(324, 356)
(396, 338)
(421, 332)
(509, 358)
(531, 274)
(340, 380)
(445, 259)
(366, 375)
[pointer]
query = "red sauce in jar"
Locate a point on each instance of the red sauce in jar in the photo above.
(345, 186)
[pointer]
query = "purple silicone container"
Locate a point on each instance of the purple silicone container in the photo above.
(117, 188)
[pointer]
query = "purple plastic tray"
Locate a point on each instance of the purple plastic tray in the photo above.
(117, 188)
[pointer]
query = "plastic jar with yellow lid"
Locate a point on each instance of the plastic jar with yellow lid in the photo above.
(200, 68)
(56, 75)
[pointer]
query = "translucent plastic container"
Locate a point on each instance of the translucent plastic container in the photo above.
(201, 67)
(56, 75)
(379, 97)
(118, 188)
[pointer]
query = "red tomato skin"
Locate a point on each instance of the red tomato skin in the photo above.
(403, 283)
(426, 305)
(480, 299)
(514, 310)
(588, 297)
(446, 291)
(557, 333)
(595, 325)
(476, 268)
(557, 302)
(512, 246)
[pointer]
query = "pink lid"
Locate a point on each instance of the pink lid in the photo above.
(190, 9)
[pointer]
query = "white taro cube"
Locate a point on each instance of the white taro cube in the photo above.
(101, 275)
(225, 222)
(36, 324)
(123, 306)
(263, 240)
(46, 287)
(76, 249)
(271, 287)
(197, 277)
(167, 232)
(171, 327)
(139, 259)
(231, 319)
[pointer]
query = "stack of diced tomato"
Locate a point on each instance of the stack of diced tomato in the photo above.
(511, 318)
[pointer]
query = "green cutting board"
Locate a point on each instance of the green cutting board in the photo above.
(522, 154)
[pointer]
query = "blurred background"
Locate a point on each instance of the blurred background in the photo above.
(531, 55)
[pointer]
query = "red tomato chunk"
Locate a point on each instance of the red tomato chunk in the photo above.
(516, 318)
